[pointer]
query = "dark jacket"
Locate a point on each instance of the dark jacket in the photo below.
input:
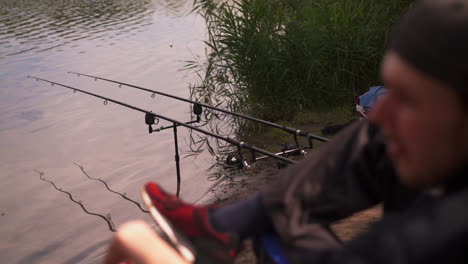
(352, 173)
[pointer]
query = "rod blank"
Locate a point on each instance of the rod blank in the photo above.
(227, 139)
(284, 128)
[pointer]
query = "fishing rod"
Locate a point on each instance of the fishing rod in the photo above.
(294, 132)
(150, 119)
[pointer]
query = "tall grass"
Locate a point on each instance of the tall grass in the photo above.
(273, 58)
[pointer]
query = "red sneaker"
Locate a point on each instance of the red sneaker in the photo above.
(192, 220)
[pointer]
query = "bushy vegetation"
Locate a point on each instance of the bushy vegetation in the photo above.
(273, 58)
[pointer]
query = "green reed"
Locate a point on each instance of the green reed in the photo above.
(275, 58)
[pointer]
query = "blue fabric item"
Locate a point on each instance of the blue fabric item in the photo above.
(368, 99)
(247, 218)
(273, 248)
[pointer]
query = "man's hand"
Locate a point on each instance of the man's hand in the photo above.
(136, 243)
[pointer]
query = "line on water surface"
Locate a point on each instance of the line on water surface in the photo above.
(123, 195)
(105, 218)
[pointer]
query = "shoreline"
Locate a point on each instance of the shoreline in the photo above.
(239, 184)
(236, 184)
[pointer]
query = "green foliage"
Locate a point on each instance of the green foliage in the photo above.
(274, 58)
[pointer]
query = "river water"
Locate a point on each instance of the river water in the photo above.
(48, 129)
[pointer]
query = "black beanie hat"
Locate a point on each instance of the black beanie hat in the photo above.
(433, 37)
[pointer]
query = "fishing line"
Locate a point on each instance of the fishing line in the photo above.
(107, 218)
(123, 195)
(292, 131)
(152, 119)
(151, 115)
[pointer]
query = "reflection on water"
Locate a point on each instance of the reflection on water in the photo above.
(37, 26)
(48, 129)
(30, 115)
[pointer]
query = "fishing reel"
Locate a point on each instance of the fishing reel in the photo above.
(293, 150)
(234, 161)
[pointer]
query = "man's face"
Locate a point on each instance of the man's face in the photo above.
(425, 124)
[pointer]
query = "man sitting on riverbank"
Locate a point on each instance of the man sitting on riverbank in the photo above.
(412, 156)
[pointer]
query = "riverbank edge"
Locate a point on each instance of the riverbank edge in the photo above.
(236, 185)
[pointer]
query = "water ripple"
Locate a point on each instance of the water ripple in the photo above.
(38, 26)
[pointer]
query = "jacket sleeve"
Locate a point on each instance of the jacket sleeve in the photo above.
(431, 233)
(348, 174)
